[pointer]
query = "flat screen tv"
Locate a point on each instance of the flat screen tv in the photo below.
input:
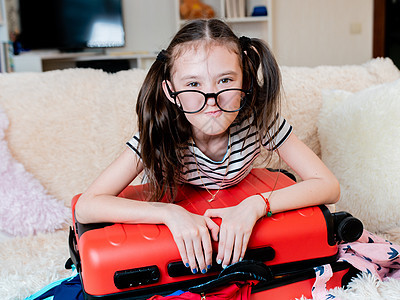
(71, 25)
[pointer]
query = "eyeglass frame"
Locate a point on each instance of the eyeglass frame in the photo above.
(173, 95)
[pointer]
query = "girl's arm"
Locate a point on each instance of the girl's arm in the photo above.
(95, 203)
(99, 203)
(318, 186)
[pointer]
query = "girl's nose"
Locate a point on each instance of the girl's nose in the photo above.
(211, 99)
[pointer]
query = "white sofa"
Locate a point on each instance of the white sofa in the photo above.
(65, 126)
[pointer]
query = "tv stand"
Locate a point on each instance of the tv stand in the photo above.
(41, 61)
(71, 50)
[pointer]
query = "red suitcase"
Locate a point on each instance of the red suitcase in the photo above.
(119, 261)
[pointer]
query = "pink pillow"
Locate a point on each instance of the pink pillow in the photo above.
(25, 206)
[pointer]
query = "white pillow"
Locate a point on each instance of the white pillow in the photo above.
(360, 142)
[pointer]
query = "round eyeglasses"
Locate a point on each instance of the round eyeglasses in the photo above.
(193, 101)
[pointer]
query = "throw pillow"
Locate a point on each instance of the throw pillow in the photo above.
(25, 206)
(360, 142)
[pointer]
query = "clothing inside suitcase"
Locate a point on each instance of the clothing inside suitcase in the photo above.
(120, 261)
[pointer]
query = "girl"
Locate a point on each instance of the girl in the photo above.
(208, 104)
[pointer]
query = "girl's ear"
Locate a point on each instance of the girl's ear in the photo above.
(165, 89)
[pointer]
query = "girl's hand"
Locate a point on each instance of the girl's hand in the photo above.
(236, 227)
(191, 233)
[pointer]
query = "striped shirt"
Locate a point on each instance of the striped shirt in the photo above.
(243, 148)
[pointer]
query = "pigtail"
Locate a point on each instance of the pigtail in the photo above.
(260, 65)
(159, 140)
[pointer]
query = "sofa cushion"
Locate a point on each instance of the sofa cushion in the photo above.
(67, 126)
(25, 206)
(360, 142)
(303, 86)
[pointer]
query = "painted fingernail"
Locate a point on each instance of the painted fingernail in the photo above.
(204, 271)
(194, 271)
(219, 261)
(209, 267)
(240, 259)
(224, 266)
(187, 265)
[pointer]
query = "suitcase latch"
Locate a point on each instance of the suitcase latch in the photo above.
(136, 277)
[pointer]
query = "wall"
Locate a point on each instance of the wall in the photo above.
(149, 25)
(315, 32)
(306, 32)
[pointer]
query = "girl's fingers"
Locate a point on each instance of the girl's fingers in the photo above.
(228, 247)
(221, 245)
(207, 246)
(182, 251)
(207, 256)
(225, 246)
(199, 250)
(191, 256)
(192, 236)
(237, 249)
(199, 253)
(213, 227)
(213, 213)
(245, 243)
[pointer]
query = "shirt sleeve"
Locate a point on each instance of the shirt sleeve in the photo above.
(278, 133)
(133, 143)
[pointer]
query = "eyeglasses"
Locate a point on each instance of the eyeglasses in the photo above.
(193, 101)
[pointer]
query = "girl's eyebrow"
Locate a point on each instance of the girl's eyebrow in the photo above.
(231, 72)
(222, 74)
(189, 77)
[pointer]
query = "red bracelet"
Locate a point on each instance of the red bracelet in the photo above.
(268, 208)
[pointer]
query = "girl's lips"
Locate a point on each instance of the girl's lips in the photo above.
(214, 113)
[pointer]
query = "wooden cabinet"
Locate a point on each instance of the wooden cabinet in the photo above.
(40, 61)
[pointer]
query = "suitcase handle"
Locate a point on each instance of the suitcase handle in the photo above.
(73, 252)
(240, 271)
(263, 254)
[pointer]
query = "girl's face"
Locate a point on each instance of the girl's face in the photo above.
(209, 69)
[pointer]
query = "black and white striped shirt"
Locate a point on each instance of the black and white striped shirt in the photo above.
(244, 148)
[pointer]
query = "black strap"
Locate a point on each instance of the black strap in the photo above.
(240, 271)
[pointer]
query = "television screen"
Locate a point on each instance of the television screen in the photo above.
(71, 25)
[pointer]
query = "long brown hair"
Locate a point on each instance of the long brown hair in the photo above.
(164, 129)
